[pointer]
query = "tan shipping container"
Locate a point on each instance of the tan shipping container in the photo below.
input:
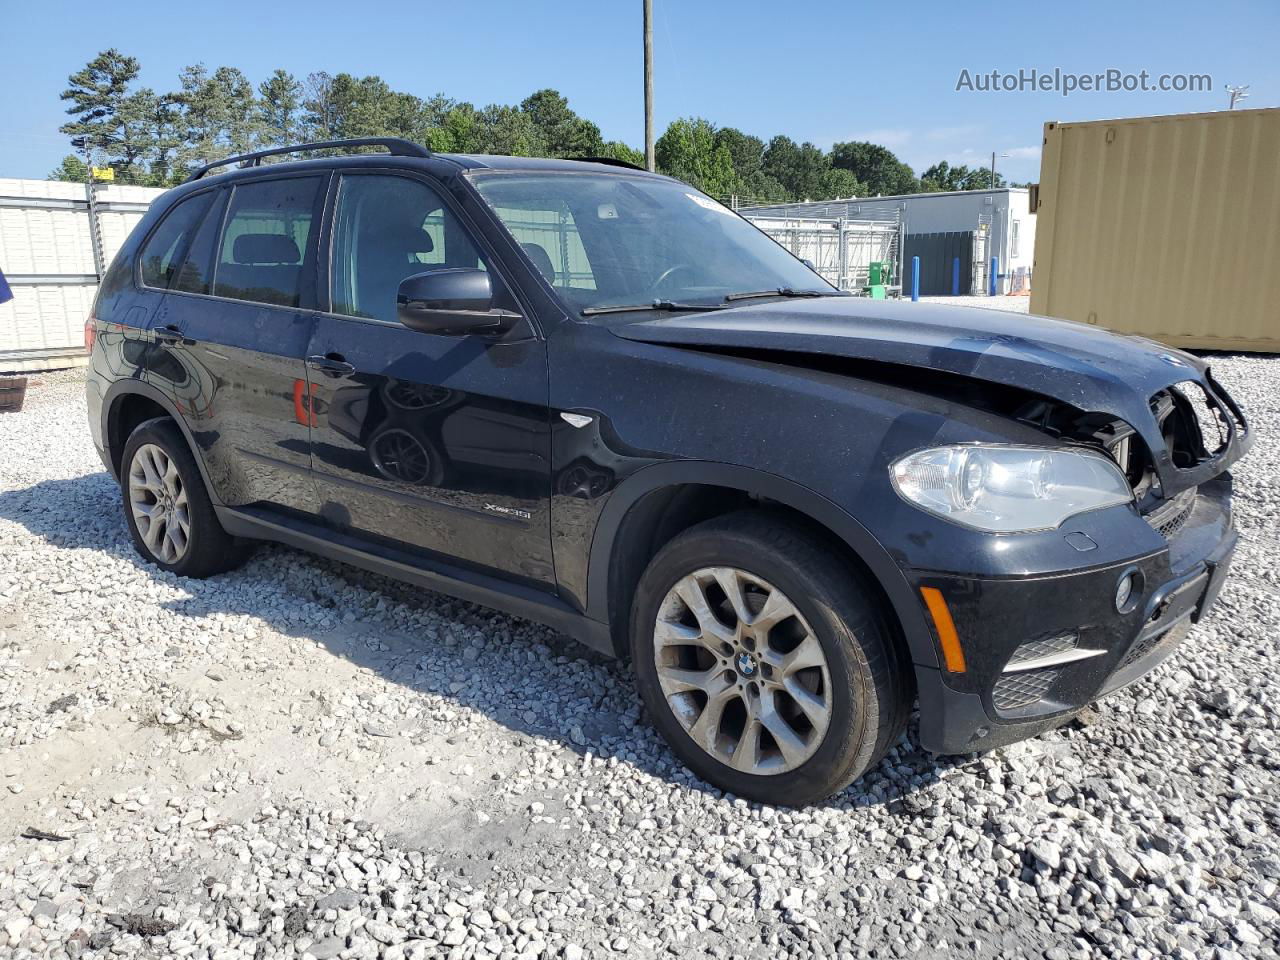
(1168, 227)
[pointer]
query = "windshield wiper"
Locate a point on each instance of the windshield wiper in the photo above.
(652, 305)
(777, 292)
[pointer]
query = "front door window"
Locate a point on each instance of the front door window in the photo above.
(387, 229)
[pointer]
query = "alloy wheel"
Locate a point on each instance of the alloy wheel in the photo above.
(742, 671)
(159, 504)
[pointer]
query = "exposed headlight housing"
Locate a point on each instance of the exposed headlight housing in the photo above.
(1009, 489)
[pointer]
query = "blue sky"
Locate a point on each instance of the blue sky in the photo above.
(825, 70)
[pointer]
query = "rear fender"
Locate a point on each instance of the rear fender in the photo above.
(116, 393)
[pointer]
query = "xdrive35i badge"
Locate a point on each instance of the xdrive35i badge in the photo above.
(508, 511)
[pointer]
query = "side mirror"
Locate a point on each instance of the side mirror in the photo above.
(452, 300)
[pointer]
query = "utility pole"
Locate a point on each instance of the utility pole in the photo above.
(1237, 94)
(649, 161)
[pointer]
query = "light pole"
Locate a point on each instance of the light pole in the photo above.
(85, 142)
(649, 160)
(1003, 156)
(82, 144)
(1237, 94)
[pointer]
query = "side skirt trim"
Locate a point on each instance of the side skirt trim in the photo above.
(441, 577)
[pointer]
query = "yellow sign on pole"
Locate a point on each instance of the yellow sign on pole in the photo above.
(103, 174)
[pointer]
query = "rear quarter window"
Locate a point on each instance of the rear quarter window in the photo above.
(167, 245)
(196, 273)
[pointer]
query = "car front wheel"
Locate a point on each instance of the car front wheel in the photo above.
(766, 661)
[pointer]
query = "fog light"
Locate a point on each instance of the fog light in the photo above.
(1126, 590)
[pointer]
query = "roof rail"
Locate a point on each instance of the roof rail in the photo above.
(610, 161)
(396, 146)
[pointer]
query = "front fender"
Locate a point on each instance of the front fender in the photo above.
(906, 606)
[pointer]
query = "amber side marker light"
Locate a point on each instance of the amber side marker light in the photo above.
(952, 652)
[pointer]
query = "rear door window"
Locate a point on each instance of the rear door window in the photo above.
(166, 246)
(267, 250)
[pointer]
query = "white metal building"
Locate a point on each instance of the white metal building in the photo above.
(1001, 221)
(841, 251)
(47, 255)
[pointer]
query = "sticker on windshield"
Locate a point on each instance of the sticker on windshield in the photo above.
(709, 204)
(607, 211)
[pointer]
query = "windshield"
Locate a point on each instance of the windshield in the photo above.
(615, 240)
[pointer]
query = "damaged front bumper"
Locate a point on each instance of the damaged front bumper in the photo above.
(1038, 649)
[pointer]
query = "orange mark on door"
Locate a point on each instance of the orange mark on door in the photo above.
(302, 410)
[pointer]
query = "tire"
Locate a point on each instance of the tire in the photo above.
(206, 549)
(405, 456)
(862, 692)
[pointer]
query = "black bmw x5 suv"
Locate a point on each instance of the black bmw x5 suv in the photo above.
(596, 398)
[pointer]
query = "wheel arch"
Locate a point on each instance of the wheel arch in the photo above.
(642, 498)
(119, 419)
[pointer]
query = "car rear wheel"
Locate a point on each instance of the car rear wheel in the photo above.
(766, 661)
(167, 508)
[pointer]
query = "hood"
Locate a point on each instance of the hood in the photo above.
(1091, 369)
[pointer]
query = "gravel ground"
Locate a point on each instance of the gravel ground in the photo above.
(298, 760)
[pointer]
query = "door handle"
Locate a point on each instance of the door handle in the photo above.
(170, 336)
(331, 365)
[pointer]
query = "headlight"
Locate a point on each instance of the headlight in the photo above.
(1005, 489)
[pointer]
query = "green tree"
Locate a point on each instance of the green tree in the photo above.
(940, 177)
(979, 178)
(839, 183)
(745, 151)
(875, 166)
(136, 132)
(563, 133)
(319, 111)
(406, 116)
(72, 168)
(801, 169)
(362, 106)
(621, 151)
(509, 130)
(279, 109)
(460, 131)
(153, 138)
(159, 120)
(344, 106)
(219, 114)
(688, 151)
(944, 177)
(105, 113)
(763, 188)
